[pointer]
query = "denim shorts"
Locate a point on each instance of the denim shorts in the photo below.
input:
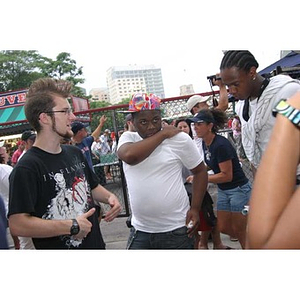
(234, 200)
(175, 239)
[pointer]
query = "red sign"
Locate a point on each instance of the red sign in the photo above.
(10, 99)
(80, 104)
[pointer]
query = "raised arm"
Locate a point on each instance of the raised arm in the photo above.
(223, 98)
(97, 131)
(134, 153)
(275, 204)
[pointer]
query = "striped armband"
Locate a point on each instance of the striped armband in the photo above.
(290, 112)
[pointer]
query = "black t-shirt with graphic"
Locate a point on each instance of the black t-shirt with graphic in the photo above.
(220, 151)
(55, 186)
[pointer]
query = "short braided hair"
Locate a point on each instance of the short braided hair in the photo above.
(241, 59)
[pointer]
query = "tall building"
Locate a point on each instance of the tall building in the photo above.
(283, 53)
(123, 81)
(99, 94)
(186, 89)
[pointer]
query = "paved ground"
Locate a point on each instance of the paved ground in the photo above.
(115, 235)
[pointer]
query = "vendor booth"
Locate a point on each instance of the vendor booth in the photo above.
(12, 116)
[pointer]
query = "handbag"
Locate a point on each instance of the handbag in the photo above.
(206, 206)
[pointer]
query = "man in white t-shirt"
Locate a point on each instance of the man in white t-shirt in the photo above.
(153, 158)
(95, 148)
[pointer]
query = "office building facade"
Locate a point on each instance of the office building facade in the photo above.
(124, 81)
(186, 89)
(100, 94)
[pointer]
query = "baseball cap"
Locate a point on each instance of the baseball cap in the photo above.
(28, 134)
(195, 100)
(76, 126)
(143, 101)
(201, 117)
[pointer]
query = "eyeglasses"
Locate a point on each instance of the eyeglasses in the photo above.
(66, 111)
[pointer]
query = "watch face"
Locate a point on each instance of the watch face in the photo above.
(74, 228)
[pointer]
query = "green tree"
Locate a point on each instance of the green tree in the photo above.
(99, 104)
(124, 101)
(110, 114)
(19, 68)
(96, 116)
(64, 68)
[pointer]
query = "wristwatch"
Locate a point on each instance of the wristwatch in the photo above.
(290, 112)
(75, 227)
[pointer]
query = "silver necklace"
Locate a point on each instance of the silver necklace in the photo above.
(207, 152)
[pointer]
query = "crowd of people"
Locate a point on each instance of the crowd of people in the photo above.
(52, 194)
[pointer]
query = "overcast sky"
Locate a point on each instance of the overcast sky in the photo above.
(184, 38)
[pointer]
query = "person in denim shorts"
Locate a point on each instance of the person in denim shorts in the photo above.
(220, 156)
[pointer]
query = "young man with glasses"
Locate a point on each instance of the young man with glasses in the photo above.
(52, 189)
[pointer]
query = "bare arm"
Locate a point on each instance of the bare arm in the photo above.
(199, 189)
(134, 153)
(30, 226)
(225, 174)
(223, 99)
(97, 131)
(274, 205)
(101, 194)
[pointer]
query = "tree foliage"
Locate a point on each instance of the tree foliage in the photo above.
(110, 114)
(124, 101)
(19, 68)
(64, 68)
(99, 104)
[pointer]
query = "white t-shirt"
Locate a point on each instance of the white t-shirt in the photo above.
(5, 171)
(105, 148)
(239, 105)
(96, 146)
(158, 198)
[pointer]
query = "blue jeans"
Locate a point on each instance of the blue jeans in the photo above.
(175, 239)
(234, 200)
